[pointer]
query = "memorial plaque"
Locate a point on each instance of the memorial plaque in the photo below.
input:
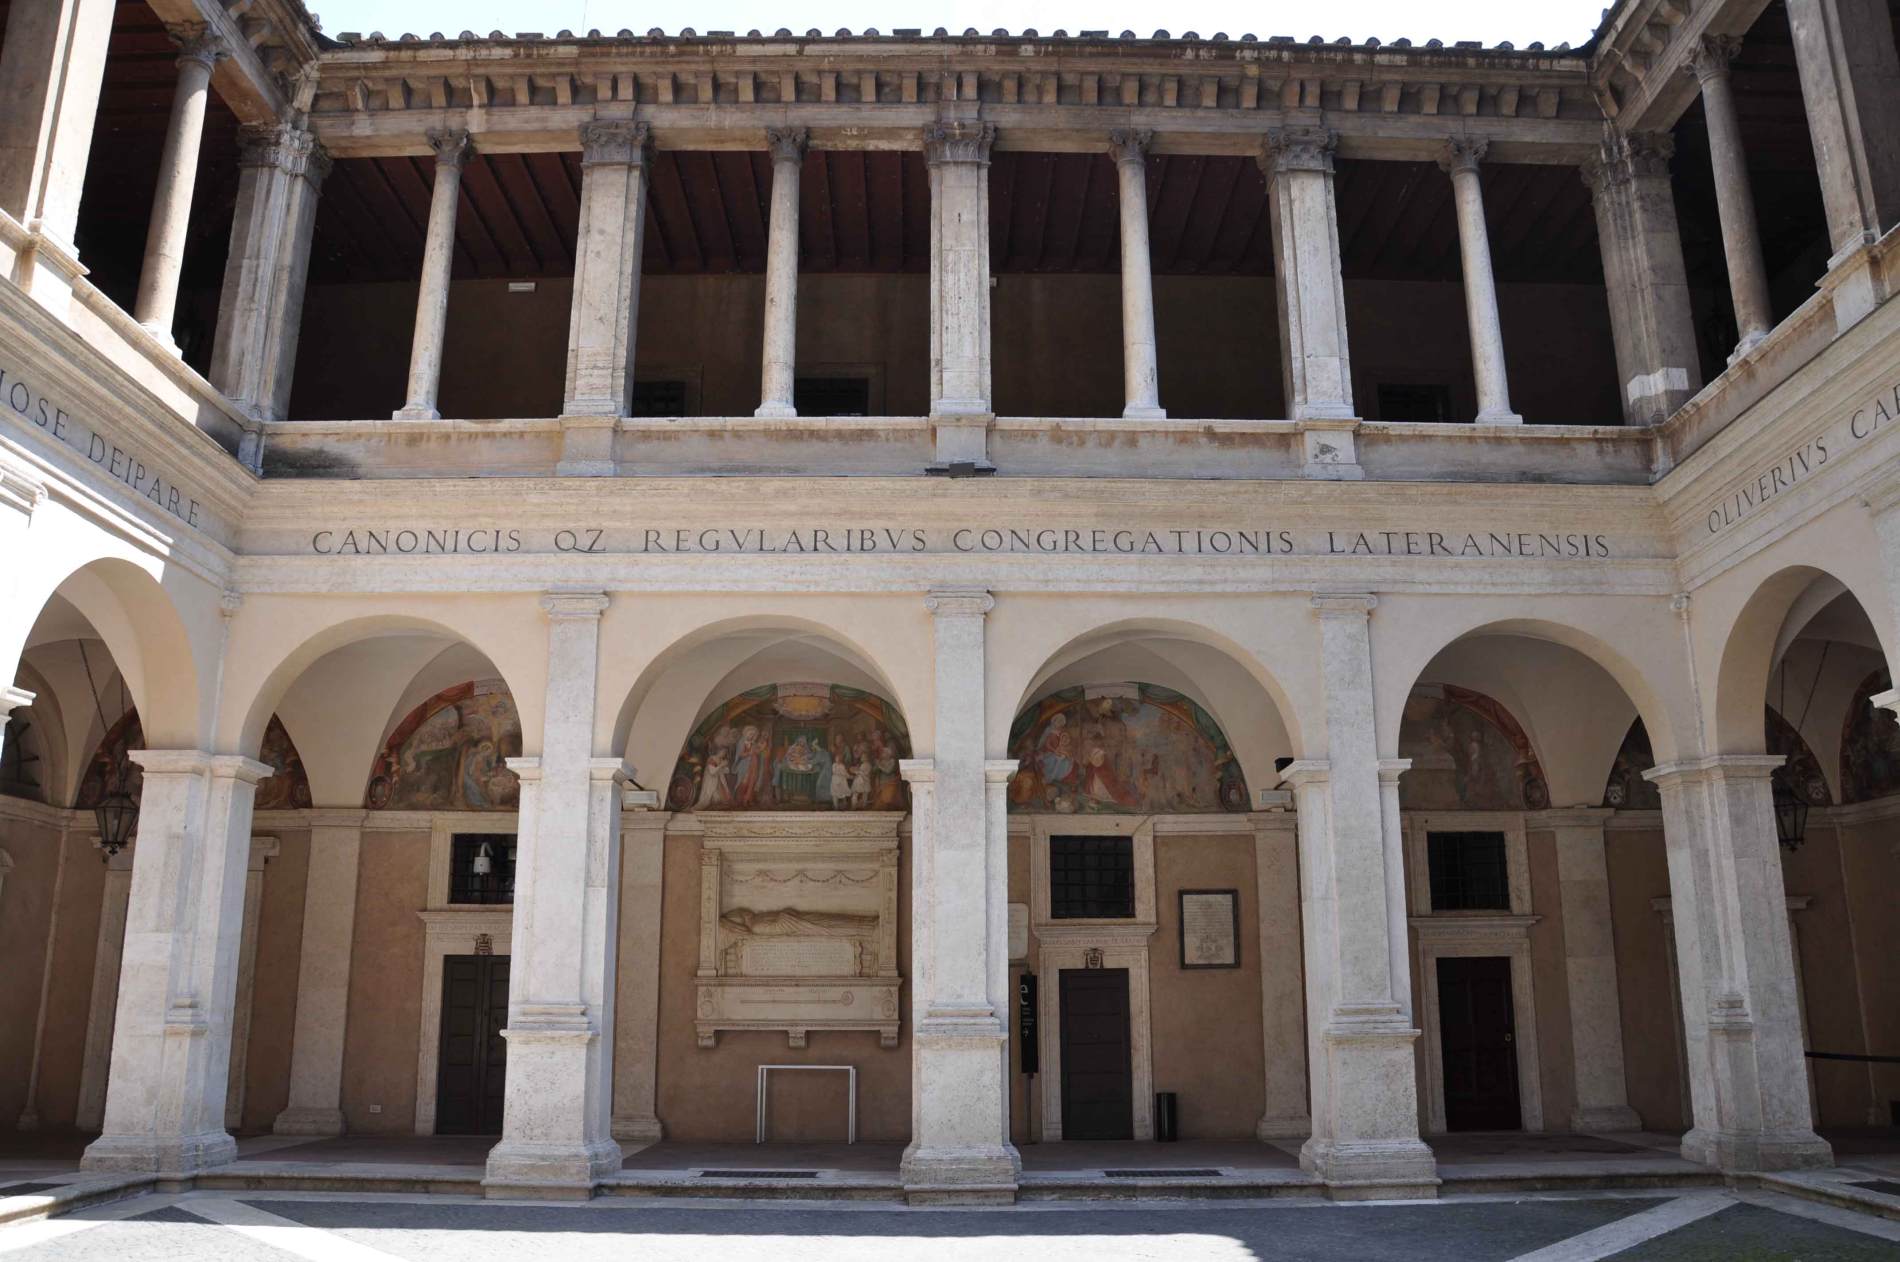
(1210, 929)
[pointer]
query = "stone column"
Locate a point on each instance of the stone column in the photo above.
(606, 307)
(1734, 202)
(1359, 1041)
(452, 149)
(780, 369)
(1298, 162)
(95, 1065)
(959, 1146)
(198, 51)
(1461, 158)
(171, 1043)
(1850, 84)
(1596, 1014)
(1141, 377)
(1398, 924)
(11, 699)
(280, 170)
(1276, 866)
(315, 1106)
(52, 63)
(263, 850)
(958, 154)
(1741, 1018)
(1643, 270)
(637, 1021)
(557, 1115)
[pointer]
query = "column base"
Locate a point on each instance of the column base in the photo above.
(1372, 1169)
(1856, 284)
(302, 1121)
(163, 336)
(775, 410)
(1608, 1119)
(631, 1128)
(1289, 1126)
(1757, 1152)
(981, 1175)
(1139, 412)
(1747, 344)
(1499, 416)
(566, 1171)
(415, 414)
(156, 1154)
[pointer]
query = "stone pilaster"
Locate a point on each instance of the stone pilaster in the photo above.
(958, 155)
(1741, 1016)
(959, 1147)
(280, 171)
(1359, 1040)
(1734, 201)
(452, 149)
(1141, 374)
(315, 1106)
(1596, 1013)
(606, 307)
(199, 50)
(263, 850)
(1650, 315)
(557, 1116)
(11, 699)
(171, 1043)
(1462, 158)
(1282, 1012)
(779, 371)
(637, 1020)
(1298, 162)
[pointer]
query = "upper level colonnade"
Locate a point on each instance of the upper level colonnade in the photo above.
(1304, 124)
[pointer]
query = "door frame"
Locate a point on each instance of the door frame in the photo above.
(1507, 936)
(449, 933)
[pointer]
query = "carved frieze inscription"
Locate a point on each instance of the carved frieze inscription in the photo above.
(798, 924)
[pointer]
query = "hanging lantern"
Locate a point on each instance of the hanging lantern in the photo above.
(484, 862)
(117, 815)
(1791, 813)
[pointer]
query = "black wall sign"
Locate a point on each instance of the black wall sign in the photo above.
(1026, 1021)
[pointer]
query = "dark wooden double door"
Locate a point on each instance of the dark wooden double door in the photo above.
(1098, 1085)
(471, 1070)
(1477, 1033)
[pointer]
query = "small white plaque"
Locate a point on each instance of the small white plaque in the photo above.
(1210, 929)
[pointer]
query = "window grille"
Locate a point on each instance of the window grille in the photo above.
(468, 886)
(1091, 878)
(1468, 872)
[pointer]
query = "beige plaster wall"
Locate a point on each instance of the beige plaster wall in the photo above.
(1639, 872)
(26, 908)
(1849, 975)
(1205, 1023)
(1870, 874)
(274, 981)
(1556, 1057)
(708, 1094)
(385, 1005)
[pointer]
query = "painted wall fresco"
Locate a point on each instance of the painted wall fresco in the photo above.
(286, 788)
(1122, 749)
(1627, 790)
(1468, 754)
(449, 754)
(794, 747)
(1870, 745)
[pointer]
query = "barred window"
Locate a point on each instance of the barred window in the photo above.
(1091, 878)
(497, 885)
(1468, 872)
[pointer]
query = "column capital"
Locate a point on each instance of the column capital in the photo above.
(1888, 701)
(326, 818)
(1570, 817)
(276, 145)
(954, 142)
(787, 144)
(197, 43)
(959, 602)
(917, 770)
(568, 603)
(1715, 767)
(999, 770)
(527, 769)
(1390, 769)
(1129, 146)
(1463, 153)
(1710, 56)
(12, 698)
(1304, 772)
(614, 143)
(1298, 149)
(1620, 159)
(1344, 604)
(609, 771)
(452, 146)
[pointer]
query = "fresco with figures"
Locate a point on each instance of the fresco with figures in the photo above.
(794, 747)
(1468, 754)
(285, 789)
(1627, 790)
(450, 753)
(1128, 748)
(1870, 744)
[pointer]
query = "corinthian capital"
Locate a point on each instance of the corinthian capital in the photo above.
(1710, 56)
(452, 147)
(1463, 153)
(958, 142)
(787, 144)
(1298, 149)
(615, 143)
(1127, 145)
(197, 43)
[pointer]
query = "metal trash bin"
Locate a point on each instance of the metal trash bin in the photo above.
(1167, 1117)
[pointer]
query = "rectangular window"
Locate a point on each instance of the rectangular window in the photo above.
(832, 396)
(469, 852)
(658, 398)
(1468, 872)
(1091, 878)
(1414, 402)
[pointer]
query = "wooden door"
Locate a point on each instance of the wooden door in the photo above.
(471, 1070)
(1477, 1033)
(1098, 1080)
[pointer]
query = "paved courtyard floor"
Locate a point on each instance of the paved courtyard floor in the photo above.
(1701, 1225)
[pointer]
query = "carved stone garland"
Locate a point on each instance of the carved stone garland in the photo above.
(798, 924)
